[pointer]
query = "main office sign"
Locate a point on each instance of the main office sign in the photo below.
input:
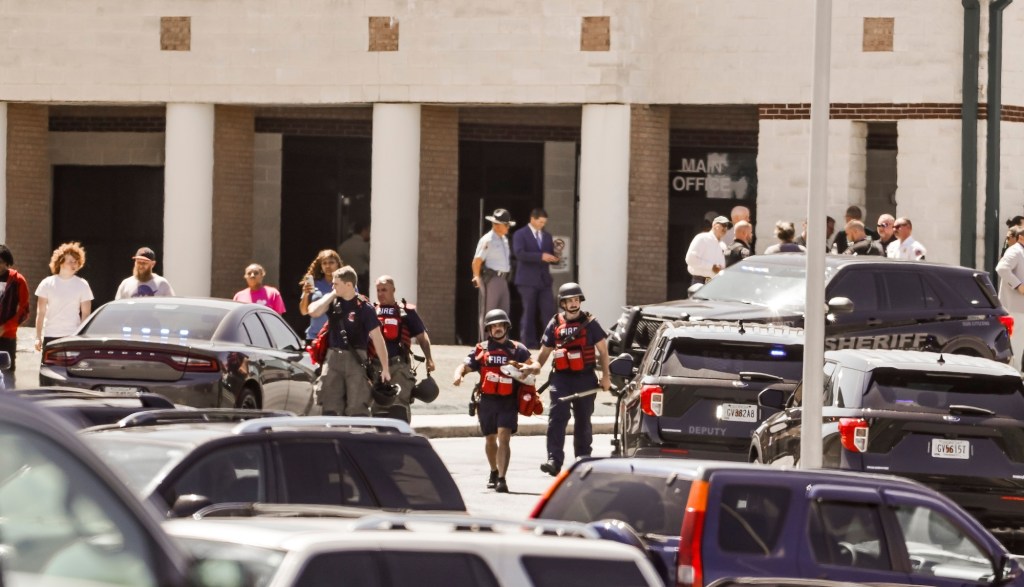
(713, 175)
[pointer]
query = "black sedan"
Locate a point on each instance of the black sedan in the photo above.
(199, 352)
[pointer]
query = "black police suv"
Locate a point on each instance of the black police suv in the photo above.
(874, 303)
(695, 392)
(952, 422)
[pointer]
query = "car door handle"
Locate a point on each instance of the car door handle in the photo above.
(873, 322)
(942, 317)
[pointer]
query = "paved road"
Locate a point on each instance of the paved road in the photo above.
(465, 458)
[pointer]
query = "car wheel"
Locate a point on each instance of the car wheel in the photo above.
(246, 399)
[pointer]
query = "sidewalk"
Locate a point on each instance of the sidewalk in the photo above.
(445, 417)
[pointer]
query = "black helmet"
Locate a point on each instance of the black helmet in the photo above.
(384, 394)
(496, 317)
(571, 290)
(426, 390)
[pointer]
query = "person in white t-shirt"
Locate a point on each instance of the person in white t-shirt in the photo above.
(64, 299)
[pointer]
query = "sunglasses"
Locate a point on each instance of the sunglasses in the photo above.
(883, 225)
(252, 273)
(899, 225)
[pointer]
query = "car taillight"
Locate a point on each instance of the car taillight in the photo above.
(546, 496)
(193, 364)
(690, 571)
(1007, 322)
(651, 399)
(853, 432)
(60, 357)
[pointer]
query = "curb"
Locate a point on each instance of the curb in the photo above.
(464, 426)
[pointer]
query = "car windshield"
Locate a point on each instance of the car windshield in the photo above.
(917, 391)
(714, 359)
(779, 287)
(260, 564)
(155, 321)
(651, 504)
(140, 464)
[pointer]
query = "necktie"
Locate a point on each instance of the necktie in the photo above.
(540, 241)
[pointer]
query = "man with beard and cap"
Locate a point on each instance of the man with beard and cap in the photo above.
(498, 410)
(143, 281)
(577, 343)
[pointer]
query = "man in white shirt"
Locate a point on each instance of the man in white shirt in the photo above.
(905, 247)
(1011, 288)
(706, 255)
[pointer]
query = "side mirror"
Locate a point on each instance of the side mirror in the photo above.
(772, 398)
(188, 504)
(1007, 570)
(693, 289)
(622, 366)
(5, 360)
(840, 305)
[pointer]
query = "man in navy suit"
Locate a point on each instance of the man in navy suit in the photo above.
(534, 251)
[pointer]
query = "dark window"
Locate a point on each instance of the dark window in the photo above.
(375, 568)
(649, 503)
(830, 385)
(232, 473)
(917, 391)
(970, 289)
(281, 334)
(406, 473)
(255, 331)
(314, 472)
(907, 292)
(357, 568)
(859, 286)
(164, 320)
(849, 535)
(752, 518)
(716, 359)
(555, 571)
(438, 569)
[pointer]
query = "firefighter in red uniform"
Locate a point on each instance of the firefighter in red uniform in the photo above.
(576, 341)
(400, 324)
(499, 403)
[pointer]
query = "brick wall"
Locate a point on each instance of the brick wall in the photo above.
(232, 198)
(648, 204)
(873, 111)
(29, 201)
(439, 199)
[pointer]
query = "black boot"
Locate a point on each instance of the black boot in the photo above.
(551, 468)
(501, 486)
(492, 480)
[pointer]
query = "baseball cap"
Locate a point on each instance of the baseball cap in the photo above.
(145, 253)
(721, 220)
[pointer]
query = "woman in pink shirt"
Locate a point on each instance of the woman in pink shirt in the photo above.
(257, 293)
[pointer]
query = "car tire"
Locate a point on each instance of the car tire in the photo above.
(246, 399)
(969, 347)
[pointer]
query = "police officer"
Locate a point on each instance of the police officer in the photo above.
(572, 337)
(492, 266)
(343, 386)
(499, 403)
(399, 325)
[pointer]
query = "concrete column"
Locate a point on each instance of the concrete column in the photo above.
(560, 203)
(395, 195)
(928, 160)
(604, 209)
(188, 199)
(782, 173)
(3, 172)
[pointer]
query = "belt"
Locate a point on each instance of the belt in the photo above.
(496, 273)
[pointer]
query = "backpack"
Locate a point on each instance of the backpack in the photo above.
(317, 349)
